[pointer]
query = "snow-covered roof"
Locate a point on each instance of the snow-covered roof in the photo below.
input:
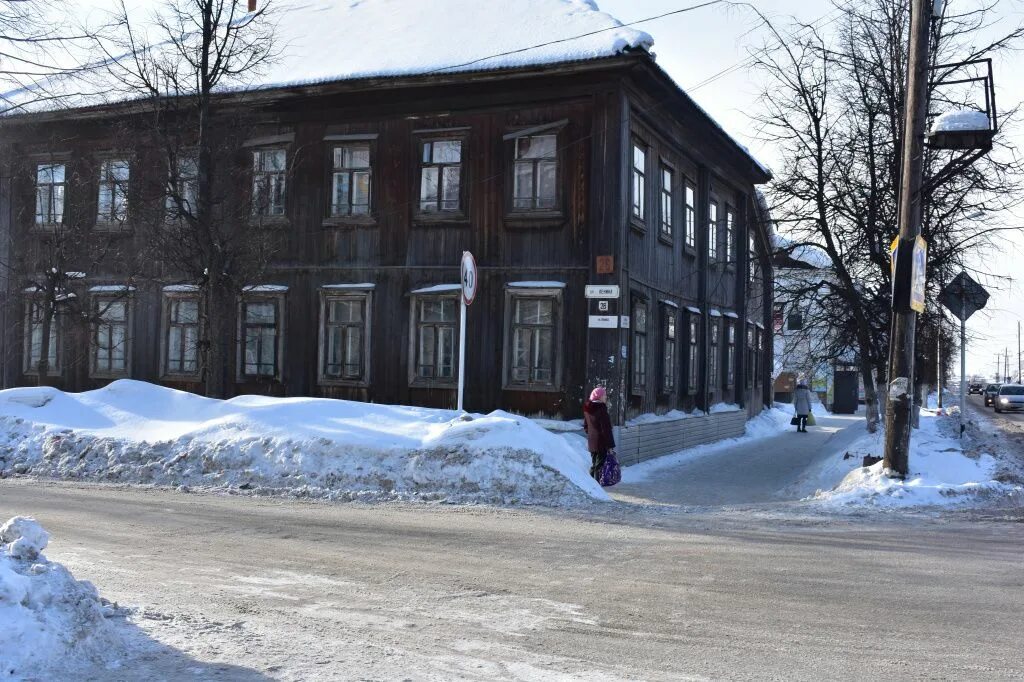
(324, 41)
(961, 121)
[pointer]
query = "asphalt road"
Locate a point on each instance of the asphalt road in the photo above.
(242, 588)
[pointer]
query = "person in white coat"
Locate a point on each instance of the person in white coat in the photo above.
(801, 406)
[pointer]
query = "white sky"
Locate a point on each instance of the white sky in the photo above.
(696, 45)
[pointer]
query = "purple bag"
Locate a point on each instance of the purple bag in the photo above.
(611, 472)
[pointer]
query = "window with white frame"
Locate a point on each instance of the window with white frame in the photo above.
(261, 337)
(435, 330)
(714, 362)
(532, 338)
(639, 324)
(34, 323)
(751, 352)
(712, 232)
(50, 187)
(692, 361)
(111, 342)
(344, 337)
(666, 216)
(350, 179)
(730, 237)
(535, 175)
(730, 354)
(181, 335)
(269, 179)
(112, 204)
(669, 351)
(691, 217)
(441, 176)
(182, 188)
(639, 183)
(752, 259)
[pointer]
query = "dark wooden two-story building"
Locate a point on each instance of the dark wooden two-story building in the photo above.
(556, 175)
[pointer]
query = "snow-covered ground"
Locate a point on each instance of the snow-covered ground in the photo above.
(942, 472)
(51, 625)
(134, 432)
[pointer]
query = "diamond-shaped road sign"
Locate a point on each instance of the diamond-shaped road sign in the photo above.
(963, 296)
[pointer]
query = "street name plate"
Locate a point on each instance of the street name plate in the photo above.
(602, 291)
(603, 322)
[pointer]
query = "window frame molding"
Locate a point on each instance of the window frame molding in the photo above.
(415, 380)
(636, 299)
(555, 294)
(669, 312)
(36, 161)
(99, 225)
(332, 142)
(669, 238)
(730, 230)
(328, 293)
(639, 223)
(254, 294)
(267, 144)
(529, 216)
(461, 216)
(690, 243)
(166, 297)
(56, 324)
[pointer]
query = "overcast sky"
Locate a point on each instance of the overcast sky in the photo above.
(695, 46)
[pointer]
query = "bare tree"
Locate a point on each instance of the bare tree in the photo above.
(176, 61)
(834, 106)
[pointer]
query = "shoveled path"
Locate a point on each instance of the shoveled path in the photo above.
(761, 471)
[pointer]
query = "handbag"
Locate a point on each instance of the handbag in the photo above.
(810, 419)
(795, 421)
(611, 472)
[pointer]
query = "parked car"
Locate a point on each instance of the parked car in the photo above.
(1011, 397)
(991, 391)
(977, 387)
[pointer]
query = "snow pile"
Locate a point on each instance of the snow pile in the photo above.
(960, 121)
(134, 432)
(940, 472)
(49, 622)
(767, 424)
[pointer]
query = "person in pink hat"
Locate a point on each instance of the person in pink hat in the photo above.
(598, 426)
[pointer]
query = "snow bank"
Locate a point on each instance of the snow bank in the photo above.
(767, 424)
(50, 623)
(133, 432)
(941, 474)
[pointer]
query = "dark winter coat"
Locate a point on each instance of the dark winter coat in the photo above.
(598, 426)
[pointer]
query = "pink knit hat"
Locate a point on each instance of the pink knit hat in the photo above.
(598, 394)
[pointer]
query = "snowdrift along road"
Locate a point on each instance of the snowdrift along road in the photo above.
(134, 432)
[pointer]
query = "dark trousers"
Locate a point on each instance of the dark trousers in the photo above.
(597, 463)
(801, 422)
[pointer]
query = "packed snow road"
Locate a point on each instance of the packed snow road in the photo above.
(244, 588)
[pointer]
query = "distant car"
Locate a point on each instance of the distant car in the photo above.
(1011, 397)
(991, 391)
(978, 388)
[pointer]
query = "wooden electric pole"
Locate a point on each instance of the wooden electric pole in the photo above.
(901, 373)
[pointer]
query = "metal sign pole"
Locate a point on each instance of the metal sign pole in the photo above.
(462, 349)
(963, 361)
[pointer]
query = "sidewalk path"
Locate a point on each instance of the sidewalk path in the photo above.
(766, 470)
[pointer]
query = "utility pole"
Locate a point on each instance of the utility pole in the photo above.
(1006, 366)
(999, 365)
(1018, 352)
(904, 327)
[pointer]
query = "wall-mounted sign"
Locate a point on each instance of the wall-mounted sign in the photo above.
(624, 321)
(602, 291)
(602, 322)
(605, 265)
(602, 306)
(918, 275)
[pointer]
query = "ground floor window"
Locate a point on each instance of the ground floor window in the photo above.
(639, 325)
(344, 337)
(34, 313)
(435, 334)
(730, 354)
(758, 356)
(181, 335)
(693, 361)
(110, 339)
(260, 322)
(751, 355)
(669, 351)
(532, 338)
(714, 364)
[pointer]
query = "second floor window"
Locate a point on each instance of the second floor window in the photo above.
(182, 340)
(441, 176)
(269, 172)
(639, 183)
(667, 218)
(183, 189)
(535, 178)
(691, 217)
(112, 206)
(50, 194)
(350, 180)
(110, 336)
(730, 237)
(713, 232)
(436, 320)
(260, 338)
